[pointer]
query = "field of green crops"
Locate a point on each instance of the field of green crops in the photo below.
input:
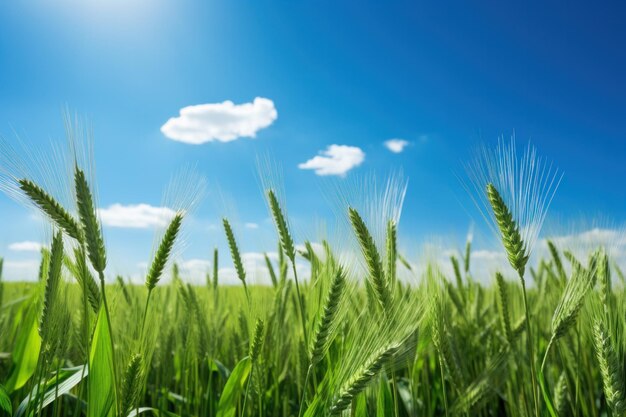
(366, 336)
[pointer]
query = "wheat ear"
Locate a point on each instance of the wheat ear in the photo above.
(362, 377)
(610, 369)
(509, 230)
(51, 290)
(89, 221)
(130, 384)
(372, 259)
(163, 252)
(234, 252)
(328, 320)
(51, 208)
(503, 307)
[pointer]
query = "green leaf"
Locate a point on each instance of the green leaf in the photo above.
(217, 366)
(5, 403)
(101, 384)
(233, 388)
(55, 387)
(384, 400)
(360, 406)
(26, 351)
(546, 396)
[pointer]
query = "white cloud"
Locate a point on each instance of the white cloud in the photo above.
(594, 237)
(396, 145)
(135, 216)
(21, 270)
(26, 246)
(223, 122)
(335, 160)
(251, 226)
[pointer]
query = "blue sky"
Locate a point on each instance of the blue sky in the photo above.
(443, 78)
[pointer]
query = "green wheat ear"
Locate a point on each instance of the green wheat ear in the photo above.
(286, 240)
(164, 251)
(51, 290)
(509, 230)
(257, 340)
(234, 251)
(361, 378)
(372, 259)
(130, 384)
(91, 227)
(503, 307)
(560, 395)
(391, 251)
(51, 208)
(610, 369)
(327, 323)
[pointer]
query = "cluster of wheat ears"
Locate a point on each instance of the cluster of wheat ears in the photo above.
(351, 337)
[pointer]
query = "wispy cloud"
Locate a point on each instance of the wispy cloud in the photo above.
(335, 160)
(26, 246)
(135, 216)
(251, 226)
(21, 270)
(223, 122)
(396, 145)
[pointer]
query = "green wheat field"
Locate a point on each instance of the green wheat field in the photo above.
(362, 334)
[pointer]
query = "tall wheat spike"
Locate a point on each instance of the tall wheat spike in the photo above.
(610, 369)
(391, 252)
(603, 272)
(215, 269)
(270, 269)
(163, 252)
(560, 395)
(90, 224)
(327, 322)
(257, 341)
(511, 236)
(372, 260)
(503, 307)
(570, 304)
(234, 251)
(130, 388)
(51, 290)
(286, 240)
(554, 252)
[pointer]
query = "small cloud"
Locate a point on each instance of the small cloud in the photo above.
(135, 216)
(26, 246)
(335, 160)
(396, 145)
(223, 122)
(251, 226)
